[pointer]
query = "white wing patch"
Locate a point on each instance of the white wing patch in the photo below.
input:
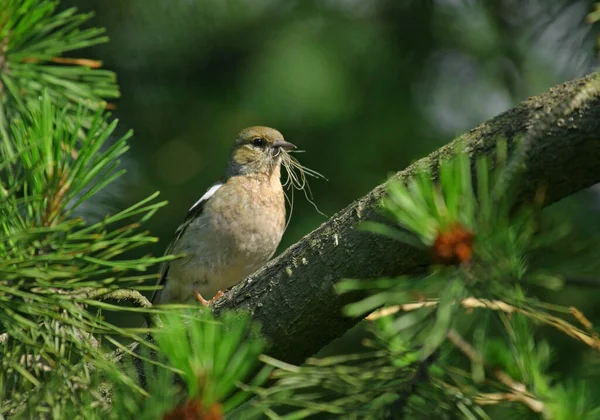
(211, 191)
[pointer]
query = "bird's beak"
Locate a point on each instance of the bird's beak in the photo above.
(282, 144)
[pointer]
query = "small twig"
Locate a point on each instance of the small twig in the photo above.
(129, 295)
(518, 390)
(119, 295)
(52, 210)
(498, 397)
(84, 62)
(465, 347)
(498, 305)
(407, 307)
(579, 316)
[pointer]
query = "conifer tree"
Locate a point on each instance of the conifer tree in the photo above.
(461, 339)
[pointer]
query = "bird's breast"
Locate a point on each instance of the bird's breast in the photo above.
(255, 224)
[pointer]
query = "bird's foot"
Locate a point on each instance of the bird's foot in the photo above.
(205, 302)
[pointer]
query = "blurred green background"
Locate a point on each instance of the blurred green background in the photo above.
(364, 86)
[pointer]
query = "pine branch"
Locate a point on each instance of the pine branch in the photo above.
(34, 35)
(292, 297)
(590, 339)
(518, 392)
(58, 269)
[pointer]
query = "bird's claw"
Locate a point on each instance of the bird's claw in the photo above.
(205, 302)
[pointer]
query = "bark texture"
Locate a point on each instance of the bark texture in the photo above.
(292, 297)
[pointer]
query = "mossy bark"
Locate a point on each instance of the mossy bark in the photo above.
(292, 297)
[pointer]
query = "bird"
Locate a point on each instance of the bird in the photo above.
(234, 228)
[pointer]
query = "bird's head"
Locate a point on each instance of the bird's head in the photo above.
(258, 150)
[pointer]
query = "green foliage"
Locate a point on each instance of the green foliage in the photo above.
(425, 208)
(198, 367)
(425, 354)
(594, 17)
(483, 252)
(212, 357)
(49, 255)
(33, 37)
(57, 269)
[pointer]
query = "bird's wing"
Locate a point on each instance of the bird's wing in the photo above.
(193, 213)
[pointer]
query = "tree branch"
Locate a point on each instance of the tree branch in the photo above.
(589, 339)
(292, 296)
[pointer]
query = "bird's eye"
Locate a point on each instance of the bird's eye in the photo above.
(259, 141)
